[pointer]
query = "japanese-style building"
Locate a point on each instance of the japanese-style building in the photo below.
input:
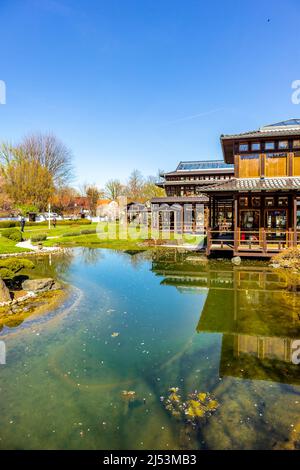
(253, 196)
(184, 186)
(264, 192)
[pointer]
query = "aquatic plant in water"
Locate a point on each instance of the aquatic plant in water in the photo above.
(197, 406)
(129, 394)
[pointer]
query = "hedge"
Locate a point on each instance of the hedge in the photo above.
(16, 223)
(71, 234)
(39, 237)
(88, 231)
(12, 234)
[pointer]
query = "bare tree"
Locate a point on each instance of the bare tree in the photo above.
(51, 153)
(135, 185)
(113, 189)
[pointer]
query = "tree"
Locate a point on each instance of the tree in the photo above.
(28, 182)
(51, 153)
(64, 198)
(93, 194)
(6, 203)
(134, 186)
(150, 189)
(113, 189)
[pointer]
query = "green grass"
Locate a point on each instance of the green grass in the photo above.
(8, 246)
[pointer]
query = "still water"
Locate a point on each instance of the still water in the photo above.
(146, 322)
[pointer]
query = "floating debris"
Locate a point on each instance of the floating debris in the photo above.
(129, 394)
(115, 334)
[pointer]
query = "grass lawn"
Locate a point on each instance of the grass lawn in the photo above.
(56, 237)
(9, 246)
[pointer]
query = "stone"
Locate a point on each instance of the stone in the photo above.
(236, 260)
(38, 285)
(4, 292)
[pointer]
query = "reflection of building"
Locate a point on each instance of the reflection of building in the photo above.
(255, 311)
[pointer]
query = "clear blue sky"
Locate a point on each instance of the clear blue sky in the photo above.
(145, 83)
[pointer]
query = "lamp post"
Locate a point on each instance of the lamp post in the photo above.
(49, 211)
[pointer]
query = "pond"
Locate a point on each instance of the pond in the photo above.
(144, 323)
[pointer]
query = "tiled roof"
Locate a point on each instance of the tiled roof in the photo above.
(189, 182)
(255, 184)
(260, 133)
(178, 199)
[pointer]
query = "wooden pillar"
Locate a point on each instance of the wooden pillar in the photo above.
(295, 220)
(236, 224)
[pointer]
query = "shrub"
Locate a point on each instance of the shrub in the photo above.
(12, 234)
(39, 237)
(71, 234)
(88, 231)
(11, 266)
(16, 223)
(9, 223)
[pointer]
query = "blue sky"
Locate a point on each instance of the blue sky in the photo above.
(145, 83)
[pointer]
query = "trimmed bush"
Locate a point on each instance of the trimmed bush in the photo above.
(12, 234)
(88, 231)
(9, 224)
(11, 266)
(16, 223)
(39, 237)
(71, 234)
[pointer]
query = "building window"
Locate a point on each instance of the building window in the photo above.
(255, 146)
(244, 147)
(269, 201)
(296, 144)
(282, 201)
(283, 144)
(243, 202)
(256, 201)
(269, 146)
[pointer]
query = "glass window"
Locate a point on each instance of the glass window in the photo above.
(269, 145)
(255, 146)
(296, 144)
(283, 144)
(244, 147)
(249, 220)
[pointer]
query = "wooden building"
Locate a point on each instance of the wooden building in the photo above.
(184, 187)
(264, 194)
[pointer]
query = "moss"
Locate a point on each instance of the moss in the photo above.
(42, 304)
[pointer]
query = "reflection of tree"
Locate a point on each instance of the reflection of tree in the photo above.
(91, 256)
(53, 265)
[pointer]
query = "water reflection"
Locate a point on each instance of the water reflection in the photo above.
(182, 323)
(256, 309)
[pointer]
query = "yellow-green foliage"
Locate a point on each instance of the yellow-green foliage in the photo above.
(9, 267)
(197, 406)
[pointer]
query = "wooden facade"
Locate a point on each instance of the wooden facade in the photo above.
(264, 193)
